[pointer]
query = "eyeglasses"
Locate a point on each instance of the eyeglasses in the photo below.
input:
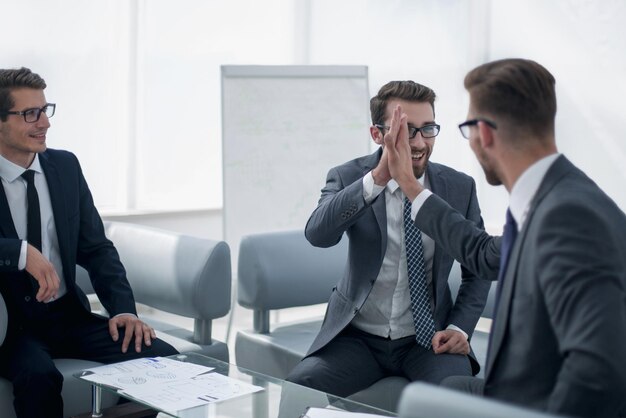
(33, 115)
(465, 126)
(428, 131)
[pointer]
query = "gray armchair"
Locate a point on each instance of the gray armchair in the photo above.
(171, 272)
(280, 270)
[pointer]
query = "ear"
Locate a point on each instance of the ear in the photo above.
(486, 135)
(377, 136)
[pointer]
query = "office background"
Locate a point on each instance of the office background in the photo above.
(137, 82)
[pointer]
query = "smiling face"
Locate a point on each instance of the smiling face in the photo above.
(418, 115)
(20, 140)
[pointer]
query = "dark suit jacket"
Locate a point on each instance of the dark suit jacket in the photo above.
(81, 241)
(559, 339)
(342, 209)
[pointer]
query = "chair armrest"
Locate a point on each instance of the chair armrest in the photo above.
(4, 320)
(422, 400)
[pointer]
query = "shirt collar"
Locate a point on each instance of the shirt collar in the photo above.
(526, 187)
(10, 171)
(392, 185)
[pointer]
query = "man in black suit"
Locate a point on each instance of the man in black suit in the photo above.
(49, 315)
(376, 325)
(558, 340)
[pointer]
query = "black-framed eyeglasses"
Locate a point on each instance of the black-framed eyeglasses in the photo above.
(428, 131)
(33, 115)
(465, 126)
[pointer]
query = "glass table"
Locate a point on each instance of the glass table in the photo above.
(277, 399)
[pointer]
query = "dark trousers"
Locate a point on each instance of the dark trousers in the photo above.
(64, 330)
(355, 360)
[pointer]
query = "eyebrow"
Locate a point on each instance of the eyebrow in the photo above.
(424, 124)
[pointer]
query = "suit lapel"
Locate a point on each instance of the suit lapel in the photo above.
(439, 186)
(558, 169)
(6, 220)
(379, 207)
(59, 210)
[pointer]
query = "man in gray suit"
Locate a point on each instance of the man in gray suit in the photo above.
(373, 328)
(558, 341)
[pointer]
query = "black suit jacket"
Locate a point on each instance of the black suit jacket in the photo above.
(559, 339)
(342, 209)
(81, 241)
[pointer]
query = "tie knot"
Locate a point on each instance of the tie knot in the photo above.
(29, 176)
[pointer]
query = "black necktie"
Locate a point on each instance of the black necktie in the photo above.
(418, 289)
(33, 231)
(508, 239)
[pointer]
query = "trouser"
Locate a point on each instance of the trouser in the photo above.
(64, 330)
(355, 360)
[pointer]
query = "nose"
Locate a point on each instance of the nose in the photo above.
(417, 141)
(44, 121)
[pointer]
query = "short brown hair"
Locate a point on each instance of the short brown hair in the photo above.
(518, 90)
(12, 79)
(405, 90)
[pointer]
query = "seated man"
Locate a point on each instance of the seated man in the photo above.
(392, 313)
(48, 225)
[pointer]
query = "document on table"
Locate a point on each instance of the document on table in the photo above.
(334, 413)
(167, 384)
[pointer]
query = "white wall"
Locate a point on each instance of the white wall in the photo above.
(136, 82)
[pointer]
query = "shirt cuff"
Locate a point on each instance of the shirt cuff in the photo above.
(419, 202)
(370, 189)
(21, 264)
(455, 328)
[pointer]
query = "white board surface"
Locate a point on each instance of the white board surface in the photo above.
(283, 128)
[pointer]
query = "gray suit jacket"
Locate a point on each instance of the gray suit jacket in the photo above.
(559, 339)
(342, 209)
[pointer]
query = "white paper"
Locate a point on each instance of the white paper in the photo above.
(334, 413)
(167, 384)
(199, 390)
(143, 372)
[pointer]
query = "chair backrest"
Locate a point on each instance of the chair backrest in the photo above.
(280, 270)
(423, 400)
(172, 272)
(454, 281)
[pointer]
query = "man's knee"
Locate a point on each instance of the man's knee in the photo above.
(467, 384)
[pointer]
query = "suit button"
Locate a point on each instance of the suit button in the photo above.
(27, 298)
(7, 262)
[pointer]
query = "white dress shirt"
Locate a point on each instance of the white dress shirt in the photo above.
(15, 191)
(526, 187)
(387, 310)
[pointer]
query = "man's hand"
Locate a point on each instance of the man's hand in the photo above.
(381, 173)
(399, 155)
(450, 341)
(43, 271)
(134, 327)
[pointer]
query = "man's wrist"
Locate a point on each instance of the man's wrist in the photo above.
(379, 178)
(411, 188)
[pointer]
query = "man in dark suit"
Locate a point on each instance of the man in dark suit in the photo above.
(375, 326)
(49, 315)
(558, 341)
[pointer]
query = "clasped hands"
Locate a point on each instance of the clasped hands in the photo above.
(44, 272)
(396, 163)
